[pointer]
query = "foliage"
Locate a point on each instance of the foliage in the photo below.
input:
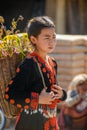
(12, 41)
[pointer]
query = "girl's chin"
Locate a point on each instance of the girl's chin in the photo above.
(50, 50)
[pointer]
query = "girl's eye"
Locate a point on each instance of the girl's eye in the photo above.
(54, 37)
(47, 38)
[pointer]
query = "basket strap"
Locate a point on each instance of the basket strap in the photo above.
(41, 75)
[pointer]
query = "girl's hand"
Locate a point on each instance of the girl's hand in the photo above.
(58, 92)
(45, 97)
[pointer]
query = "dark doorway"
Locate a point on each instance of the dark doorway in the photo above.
(26, 8)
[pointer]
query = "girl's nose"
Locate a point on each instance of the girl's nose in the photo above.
(52, 41)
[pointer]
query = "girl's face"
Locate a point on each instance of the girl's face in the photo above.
(46, 41)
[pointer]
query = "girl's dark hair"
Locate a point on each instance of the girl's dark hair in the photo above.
(36, 24)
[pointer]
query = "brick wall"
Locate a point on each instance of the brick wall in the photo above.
(71, 56)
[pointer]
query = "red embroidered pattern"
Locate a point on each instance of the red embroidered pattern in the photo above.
(50, 68)
(46, 125)
(34, 100)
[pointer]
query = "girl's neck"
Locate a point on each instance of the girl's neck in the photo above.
(43, 55)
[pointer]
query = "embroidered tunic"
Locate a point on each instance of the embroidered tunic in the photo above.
(24, 89)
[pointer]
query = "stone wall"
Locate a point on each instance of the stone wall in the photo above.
(71, 56)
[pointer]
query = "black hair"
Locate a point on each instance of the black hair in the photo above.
(36, 24)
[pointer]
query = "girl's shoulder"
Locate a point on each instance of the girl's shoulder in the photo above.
(27, 62)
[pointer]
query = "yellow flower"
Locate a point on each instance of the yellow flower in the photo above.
(1, 19)
(12, 41)
(14, 24)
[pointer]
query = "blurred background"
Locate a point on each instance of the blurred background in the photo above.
(70, 18)
(68, 15)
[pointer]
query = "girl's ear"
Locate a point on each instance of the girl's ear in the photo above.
(33, 39)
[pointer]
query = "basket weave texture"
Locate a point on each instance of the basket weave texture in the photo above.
(8, 65)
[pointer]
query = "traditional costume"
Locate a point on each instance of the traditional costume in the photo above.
(24, 89)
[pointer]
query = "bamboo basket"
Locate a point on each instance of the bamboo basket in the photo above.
(8, 67)
(7, 71)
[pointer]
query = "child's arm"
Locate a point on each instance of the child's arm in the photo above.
(45, 97)
(59, 92)
(18, 92)
(15, 92)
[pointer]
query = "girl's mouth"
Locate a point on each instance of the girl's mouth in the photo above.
(50, 47)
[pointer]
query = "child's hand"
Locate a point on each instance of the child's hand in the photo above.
(45, 97)
(58, 92)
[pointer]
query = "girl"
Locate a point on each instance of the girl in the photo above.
(27, 90)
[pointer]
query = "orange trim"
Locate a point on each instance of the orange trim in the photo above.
(17, 70)
(7, 89)
(19, 105)
(38, 56)
(6, 96)
(26, 107)
(12, 101)
(58, 100)
(49, 64)
(27, 100)
(44, 69)
(17, 119)
(53, 121)
(46, 125)
(11, 82)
